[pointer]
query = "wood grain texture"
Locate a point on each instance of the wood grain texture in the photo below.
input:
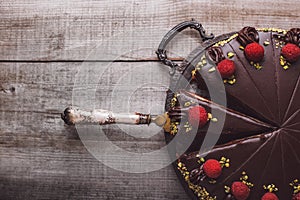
(41, 158)
(69, 30)
(42, 44)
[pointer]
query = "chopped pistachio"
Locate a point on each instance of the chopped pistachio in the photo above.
(212, 70)
(230, 54)
(194, 73)
(214, 120)
(266, 43)
(285, 67)
(209, 115)
(202, 160)
(232, 81)
(187, 104)
(227, 189)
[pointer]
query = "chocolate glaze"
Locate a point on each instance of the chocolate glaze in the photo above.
(247, 35)
(261, 134)
(288, 82)
(245, 92)
(216, 54)
(264, 80)
(293, 36)
(237, 125)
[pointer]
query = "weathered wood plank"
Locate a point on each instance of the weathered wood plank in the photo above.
(54, 173)
(51, 85)
(69, 30)
(41, 158)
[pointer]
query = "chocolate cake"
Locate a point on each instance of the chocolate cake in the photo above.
(257, 152)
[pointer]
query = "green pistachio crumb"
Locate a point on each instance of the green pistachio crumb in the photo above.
(266, 43)
(214, 120)
(212, 70)
(230, 54)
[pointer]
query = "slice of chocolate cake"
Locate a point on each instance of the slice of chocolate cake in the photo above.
(257, 154)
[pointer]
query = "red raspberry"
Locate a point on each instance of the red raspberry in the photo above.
(296, 196)
(269, 196)
(226, 68)
(291, 52)
(240, 190)
(254, 52)
(212, 168)
(197, 116)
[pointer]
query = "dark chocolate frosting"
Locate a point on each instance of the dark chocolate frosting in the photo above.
(197, 175)
(261, 133)
(247, 35)
(216, 54)
(293, 36)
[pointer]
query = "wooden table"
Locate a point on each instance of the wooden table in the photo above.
(44, 43)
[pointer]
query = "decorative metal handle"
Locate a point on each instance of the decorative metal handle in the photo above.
(72, 116)
(161, 52)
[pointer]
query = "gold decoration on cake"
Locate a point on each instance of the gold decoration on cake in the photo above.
(225, 162)
(230, 81)
(174, 128)
(201, 63)
(223, 42)
(214, 119)
(277, 30)
(212, 69)
(296, 186)
(257, 66)
(270, 188)
(174, 100)
(200, 191)
(230, 55)
(194, 74)
(284, 63)
(245, 180)
(211, 118)
(278, 43)
(187, 127)
(267, 42)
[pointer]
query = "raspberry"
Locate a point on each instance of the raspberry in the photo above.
(197, 116)
(269, 196)
(226, 68)
(291, 52)
(240, 190)
(254, 52)
(212, 168)
(296, 196)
